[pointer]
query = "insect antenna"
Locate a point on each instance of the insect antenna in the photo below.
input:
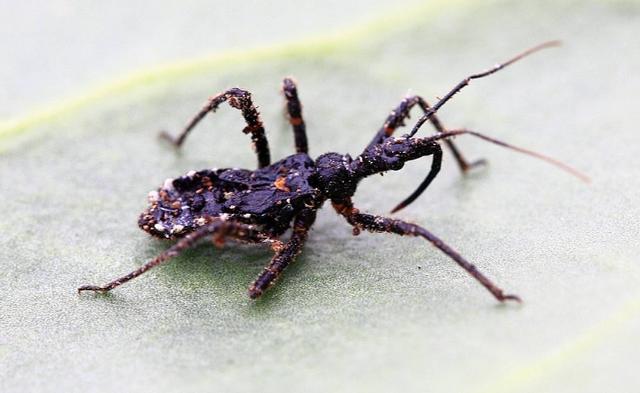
(540, 156)
(559, 164)
(448, 134)
(428, 114)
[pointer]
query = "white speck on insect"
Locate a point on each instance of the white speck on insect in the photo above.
(191, 173)
(224, 216)
(159, 227)
(153, 196)
(168, 184)
(177, 228)
(247, 215)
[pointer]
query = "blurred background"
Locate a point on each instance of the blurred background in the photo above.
(87, 87)
(56, 49)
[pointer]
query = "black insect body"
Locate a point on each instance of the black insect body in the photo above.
(259, 206)
(270, 197)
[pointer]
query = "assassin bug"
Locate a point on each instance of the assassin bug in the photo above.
(259, 206)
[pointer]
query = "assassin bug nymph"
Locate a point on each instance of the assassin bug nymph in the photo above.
(259, 206)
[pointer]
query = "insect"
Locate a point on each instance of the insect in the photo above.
(259, 206)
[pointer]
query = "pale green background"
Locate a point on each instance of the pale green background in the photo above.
(354, 313)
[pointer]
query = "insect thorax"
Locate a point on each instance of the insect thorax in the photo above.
(334, 175)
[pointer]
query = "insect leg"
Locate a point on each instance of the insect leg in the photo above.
(374, 223)
(239, 99)
(217, 229)
(436, 163)
(402, 112)
(285, 255)
(294, 110)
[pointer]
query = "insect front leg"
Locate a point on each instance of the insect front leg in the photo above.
(402, 112)
(239, 99)
(218, 230)
(294, 112)
(374, 223)
(436, 163)
(285, 255)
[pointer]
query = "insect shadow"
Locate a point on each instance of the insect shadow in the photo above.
(260, 206)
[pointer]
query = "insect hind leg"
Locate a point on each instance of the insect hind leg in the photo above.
(217, 229)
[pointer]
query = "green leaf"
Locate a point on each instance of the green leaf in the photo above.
(368, 313)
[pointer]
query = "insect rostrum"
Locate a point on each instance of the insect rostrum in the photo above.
(259, 206)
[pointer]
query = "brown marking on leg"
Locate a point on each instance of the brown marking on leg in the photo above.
(241, 100)
(344, 208)
(296, 121)
(294, 111)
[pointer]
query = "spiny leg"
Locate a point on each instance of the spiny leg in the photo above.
(218, 229)
(374, 223)
(285, 255)
(239, 99)
(294, 110)
(402, 112)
